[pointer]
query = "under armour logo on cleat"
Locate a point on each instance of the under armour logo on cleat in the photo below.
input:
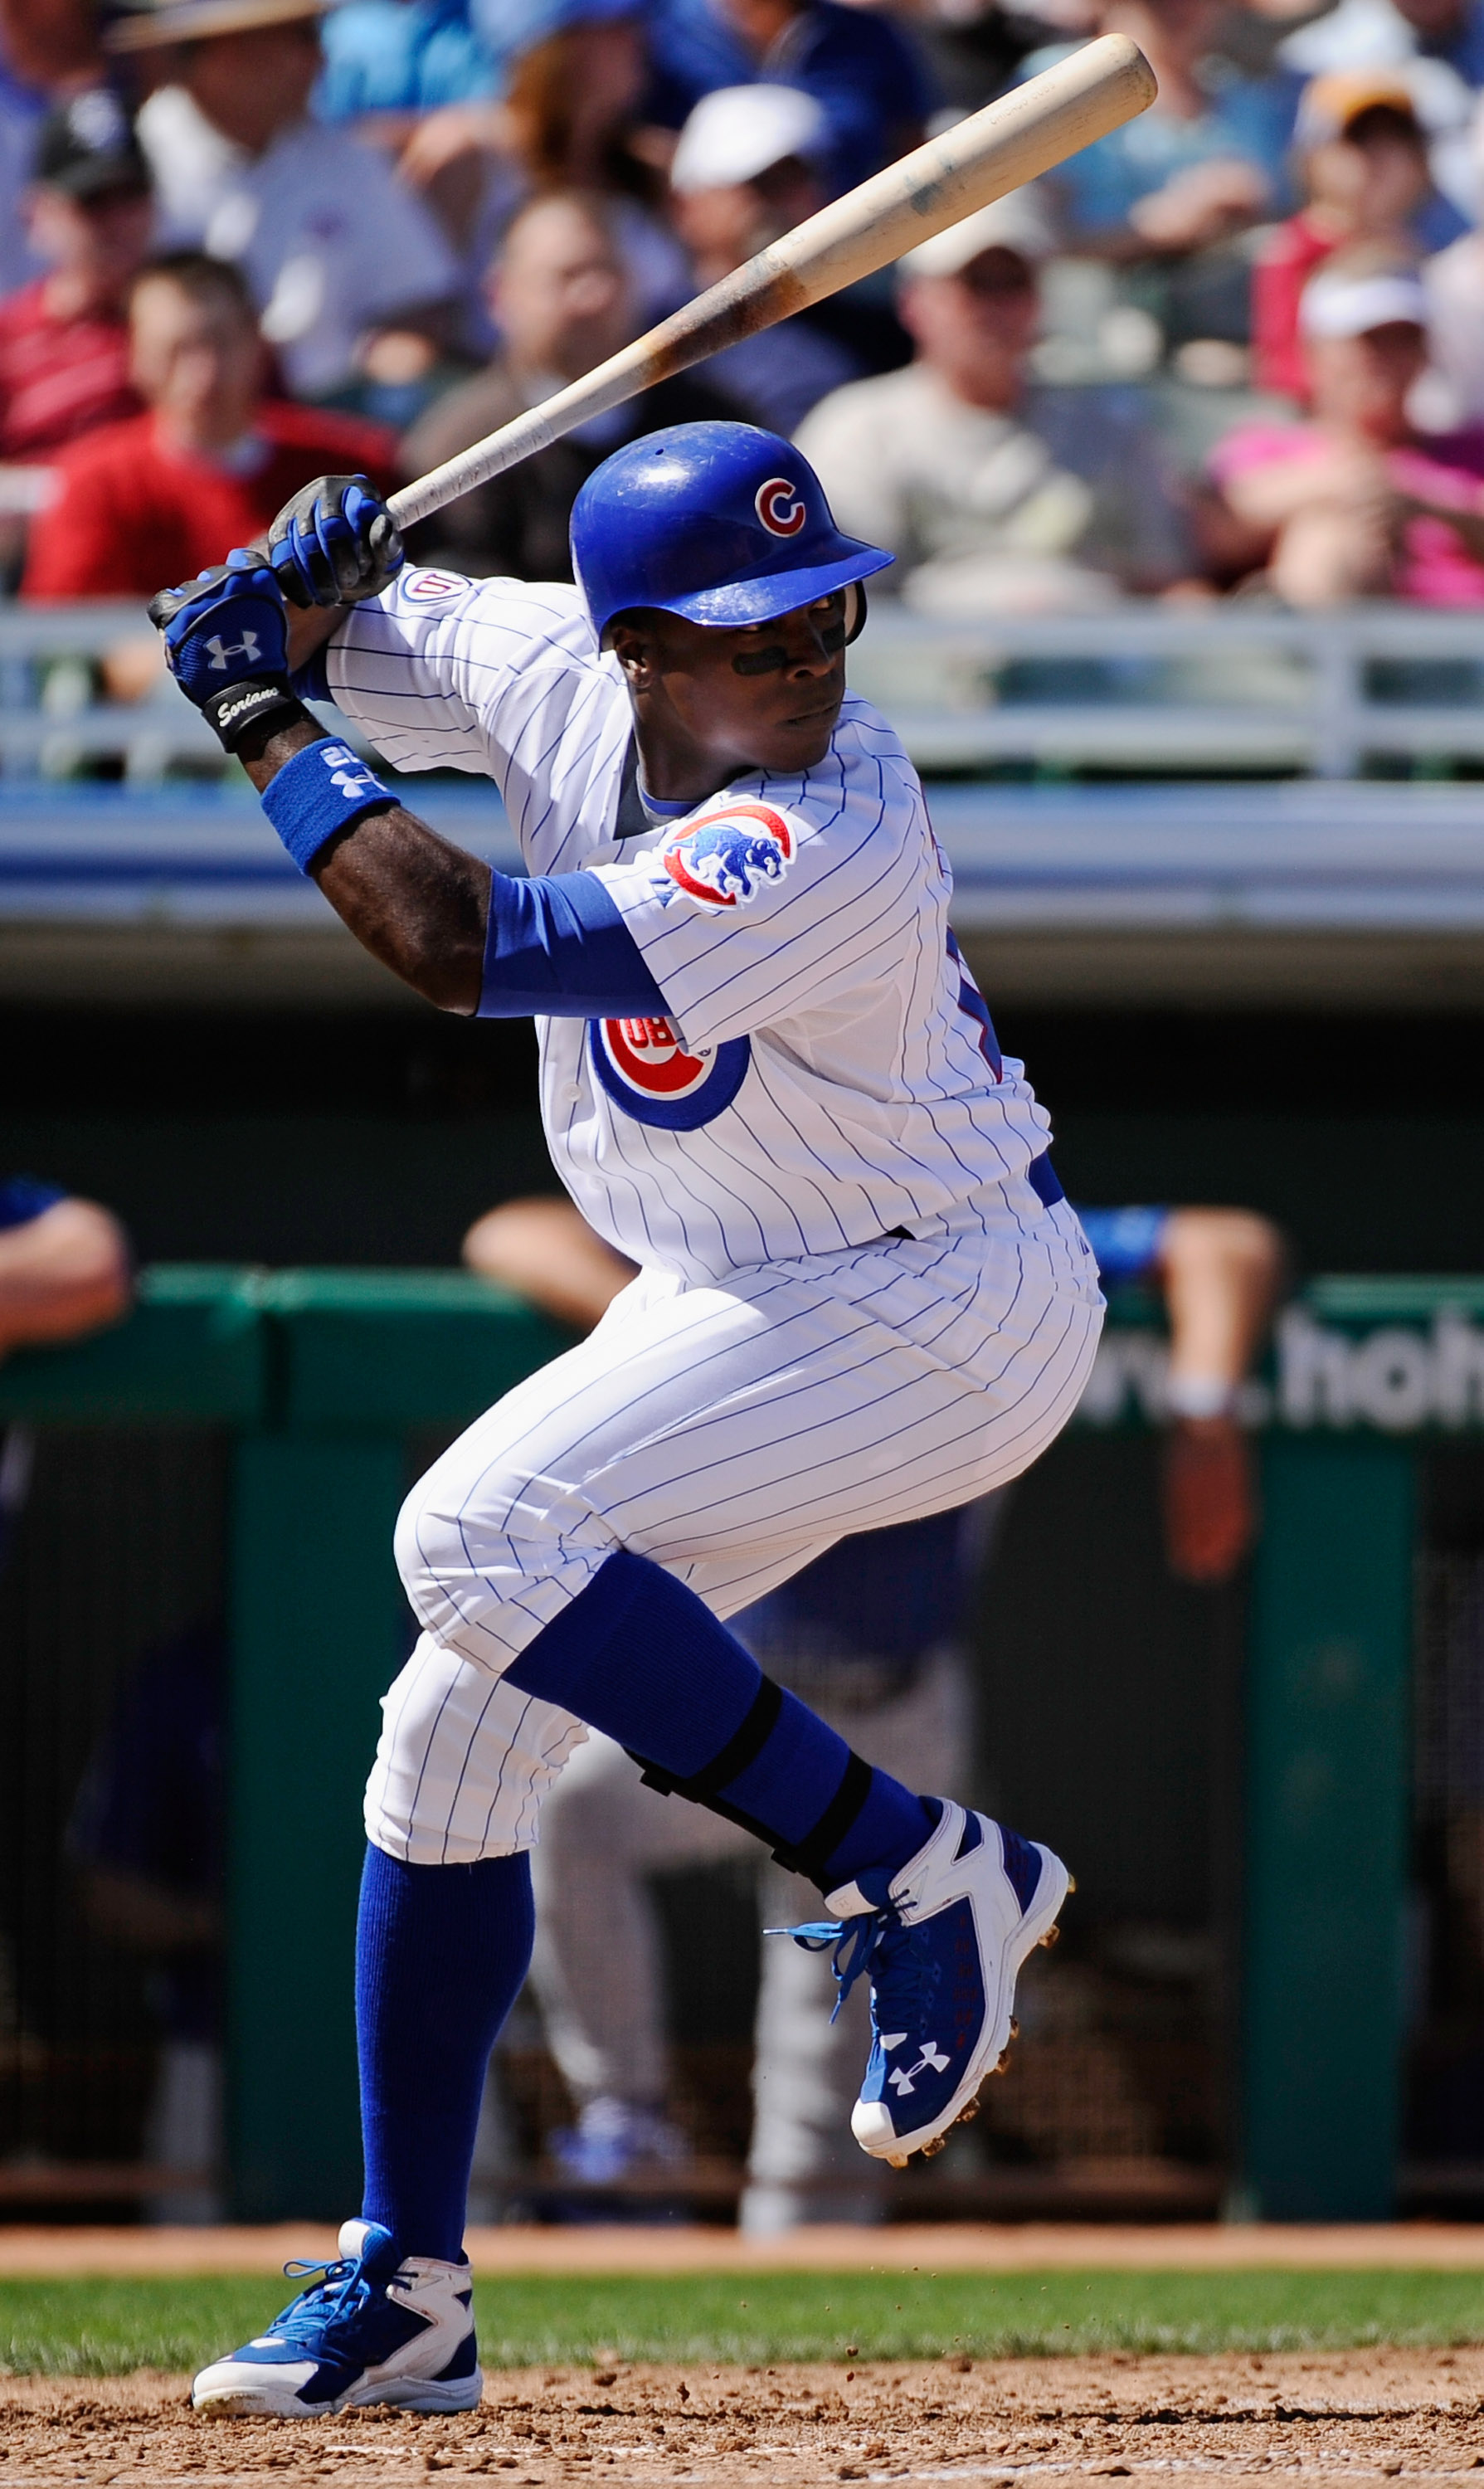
(904, 2078)
(219, 652)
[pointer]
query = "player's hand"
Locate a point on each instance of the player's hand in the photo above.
(227, 626)
(335, 543)
(1209, 1504)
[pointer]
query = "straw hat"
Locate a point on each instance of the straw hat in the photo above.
(190, 21)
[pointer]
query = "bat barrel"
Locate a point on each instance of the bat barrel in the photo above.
(1010, 141)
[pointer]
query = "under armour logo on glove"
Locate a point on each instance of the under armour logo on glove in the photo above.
(349, 774)
(220, 654)
(224, 627)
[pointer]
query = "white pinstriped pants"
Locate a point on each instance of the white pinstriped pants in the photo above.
(730, 1432)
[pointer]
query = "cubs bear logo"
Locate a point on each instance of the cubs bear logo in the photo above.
(780, 505)
(725, 858)
(646, 1070)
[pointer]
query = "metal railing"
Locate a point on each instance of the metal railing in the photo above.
(1166, 688)
(1173, 689)
(1179, 688)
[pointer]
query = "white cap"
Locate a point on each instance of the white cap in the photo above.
(740, 131)
(1349, 306)
(1016, 222)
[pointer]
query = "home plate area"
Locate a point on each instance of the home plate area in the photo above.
(1345, 2415)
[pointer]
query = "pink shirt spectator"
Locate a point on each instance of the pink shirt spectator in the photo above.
(1433, 567)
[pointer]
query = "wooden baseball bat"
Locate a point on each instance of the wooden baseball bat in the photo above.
(1040, 124)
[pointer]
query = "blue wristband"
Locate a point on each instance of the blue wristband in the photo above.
(316, 793)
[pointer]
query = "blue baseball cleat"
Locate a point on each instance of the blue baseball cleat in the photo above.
(378, 2327)
(943, 1940)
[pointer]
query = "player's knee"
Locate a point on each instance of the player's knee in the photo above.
(430, 1547)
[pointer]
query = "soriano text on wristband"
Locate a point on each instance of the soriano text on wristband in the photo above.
(321, 790)
(258, 701)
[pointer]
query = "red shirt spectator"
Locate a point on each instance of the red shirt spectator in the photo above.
(64, 342)
(1362, 159)
(59, 377)
(1291, 253)
(135, 512)
(145, 503)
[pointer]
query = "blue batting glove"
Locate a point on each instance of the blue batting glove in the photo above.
(226, 638)
(335, 543)
(224, 626)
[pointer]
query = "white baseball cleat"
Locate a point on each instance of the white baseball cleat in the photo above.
(378, 2327)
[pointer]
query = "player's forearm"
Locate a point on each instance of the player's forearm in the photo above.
(1222, 1271)
(416, 902)
(310, 629)
(61, 1273)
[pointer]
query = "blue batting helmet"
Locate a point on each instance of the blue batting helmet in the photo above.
(719, 522)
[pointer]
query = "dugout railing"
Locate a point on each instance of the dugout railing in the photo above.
(320, 1377)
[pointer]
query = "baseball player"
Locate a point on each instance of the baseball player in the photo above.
(766, 1077)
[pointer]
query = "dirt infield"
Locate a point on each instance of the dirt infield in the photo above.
(1350, 2416)
(971, 2246)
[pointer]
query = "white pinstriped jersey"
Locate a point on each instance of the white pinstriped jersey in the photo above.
(827, 1071)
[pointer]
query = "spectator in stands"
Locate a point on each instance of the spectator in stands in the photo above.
(856, 65)
(874, 1634)
(210, 462)
(49, 53)
(1362, 163)
(63, 339)
(574, 102)
(343, 263)
(1356, 501)
(1205, 160)
(997, 496)
(560, 296)
(389, 62)
(744, 172)
(414, 79)
(1454, 279)
(575, 77)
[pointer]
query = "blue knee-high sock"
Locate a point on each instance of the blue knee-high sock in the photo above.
(641, 1657)
(441, 1952)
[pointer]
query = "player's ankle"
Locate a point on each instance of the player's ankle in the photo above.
(891, 1827)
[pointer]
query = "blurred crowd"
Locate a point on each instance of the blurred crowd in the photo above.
(1235, 348)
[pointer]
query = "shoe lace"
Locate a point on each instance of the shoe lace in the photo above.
(342, 2290)
(877, 1941)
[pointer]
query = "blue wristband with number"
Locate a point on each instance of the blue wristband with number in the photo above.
(318, 792)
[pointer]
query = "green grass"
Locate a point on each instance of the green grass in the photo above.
(96, 2328)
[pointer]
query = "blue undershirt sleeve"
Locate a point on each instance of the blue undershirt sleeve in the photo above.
(557, 946)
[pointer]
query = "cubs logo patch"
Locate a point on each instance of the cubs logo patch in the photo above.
(430, 586)
(644, 1068)
(780, 506)
(725, 858)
